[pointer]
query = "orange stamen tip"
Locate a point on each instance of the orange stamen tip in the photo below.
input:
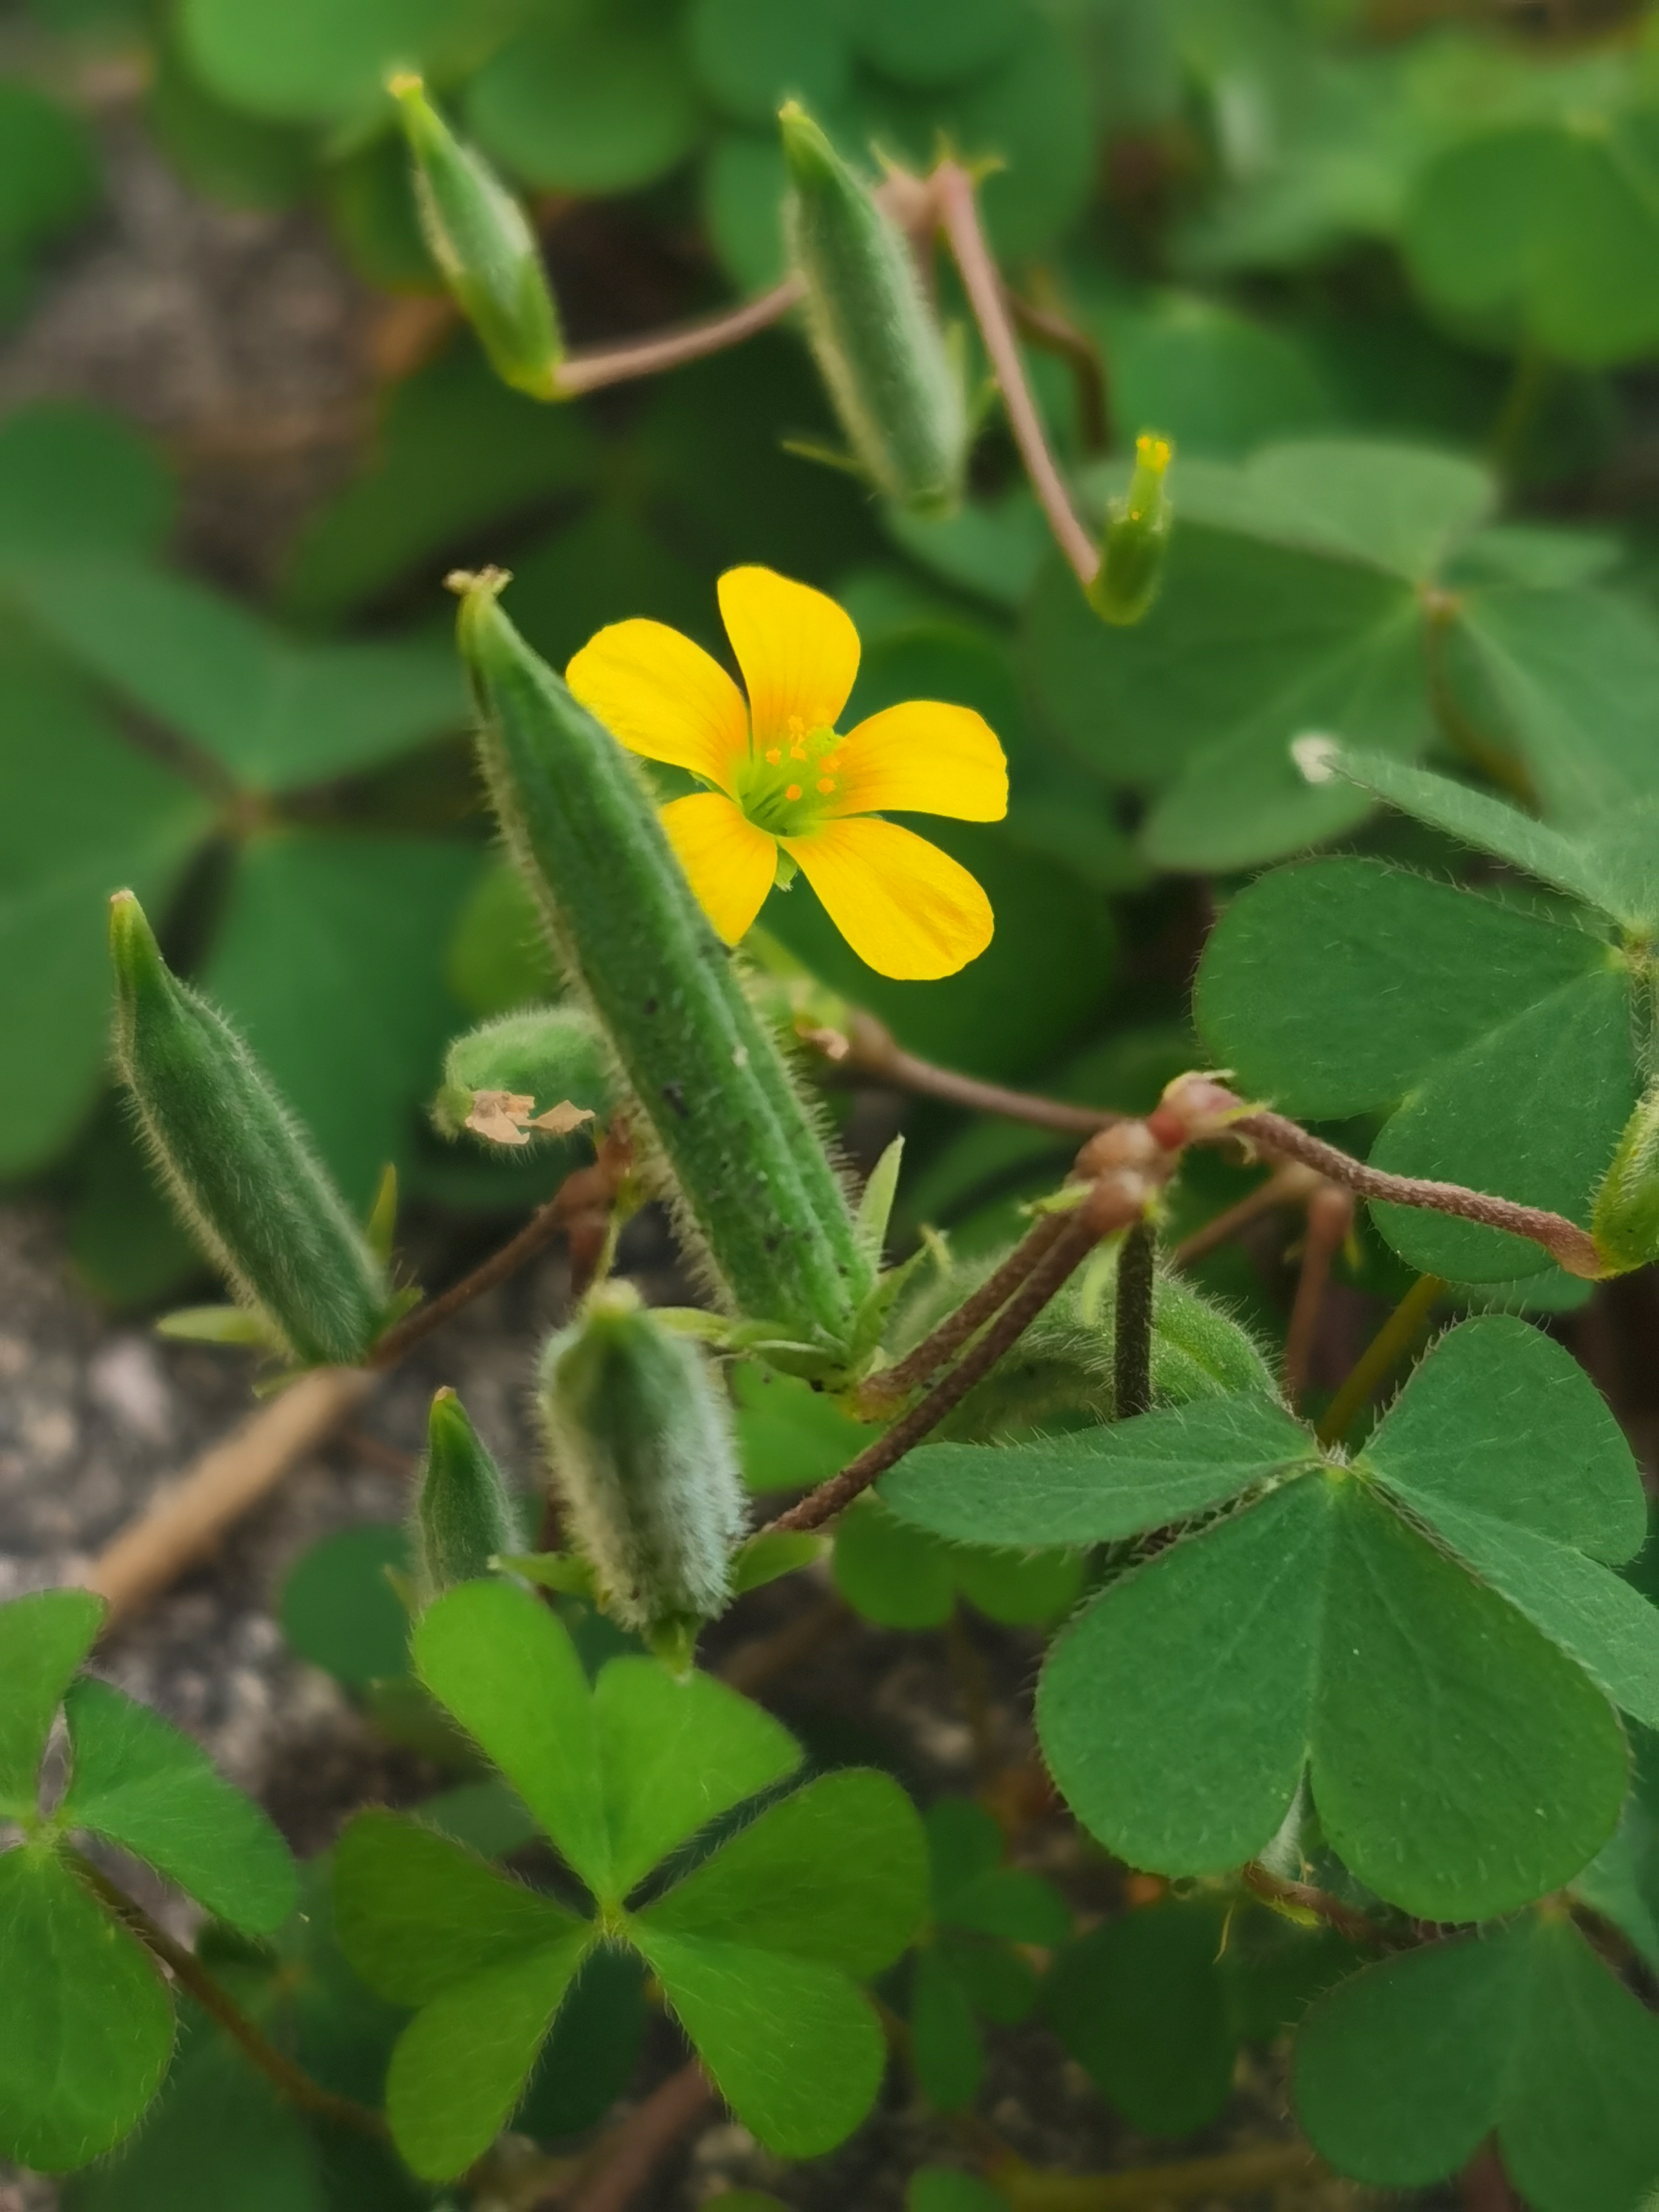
(774, 755)
(793, 792)
(826, 783)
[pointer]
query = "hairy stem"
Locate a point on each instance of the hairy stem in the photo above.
(1290, 1184)
(193, 1976)
(586, 372)
(1132, 1343)
(1575, 1247)
(1077, 1239)
(895, 1382)
(959, 216)
(866, 1047)
(1304, 1897)
(1377, 1361)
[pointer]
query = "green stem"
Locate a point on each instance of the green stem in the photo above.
(193, 1976)
(1380, 1357)
(1131, 1348)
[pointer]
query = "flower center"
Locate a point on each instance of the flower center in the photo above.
(784, 786)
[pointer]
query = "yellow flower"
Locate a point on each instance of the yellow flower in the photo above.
(783, 780)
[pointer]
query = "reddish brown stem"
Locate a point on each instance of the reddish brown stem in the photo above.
(958, 213)
(1082, 1232)
(586, 372)
(1306, 1898)
(1330, 1217)
(953, 1331)
(1564, 1240)
(867, 1047)
(1292, 1184)
(1081, 355)
(643, 2140)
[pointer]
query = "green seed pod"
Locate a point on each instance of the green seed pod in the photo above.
(242, 1172)
(484, 246)
(537, 1060)
(1625, 1222)
(878, 345)
(737, 1155)
(638, 1439)
(1137, 529)
(463, 1515)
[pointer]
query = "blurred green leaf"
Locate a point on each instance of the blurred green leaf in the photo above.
(339, 1610)
(48, 170)
(586, 100)
(43, 1639)
(1401, 2072)
(311, 61)
(75, 479)
(89, 2020)
(933, 42)
(749, 56)
(902, 1576)
(790, 1436)
(139, 1782)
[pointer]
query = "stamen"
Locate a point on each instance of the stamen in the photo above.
(793, 792)
(774, 755)
(826, 783)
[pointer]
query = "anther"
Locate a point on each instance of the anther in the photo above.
(826, 783)
(793, 792)
(775, 754)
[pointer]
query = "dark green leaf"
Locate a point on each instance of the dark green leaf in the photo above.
(587, 2062)
(75, 480)
(141, 1782)
(894, 1575)
(339, 1610)
(88, 2019)
(749, 56)
(586, 104)
(945, 2046)
(1100, 1484)
(43, 1639)
(1459, 1764)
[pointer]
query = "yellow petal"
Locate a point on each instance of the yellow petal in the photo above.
(923, 758)
(906, 908)
(799, 653)
(663, 696)
(730, 863)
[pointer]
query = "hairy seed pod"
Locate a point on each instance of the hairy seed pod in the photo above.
(1137, 529)
(484, 246)
(463, 1515)
(639, 1440)
(542, 1056)
(735, 1151)
(1624, 1221)
(239, 1169)
(878, 342)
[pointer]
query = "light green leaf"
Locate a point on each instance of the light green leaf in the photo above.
(1403, 2070)
(43, 1639)
(586, 104)
(1459, 1764)
(508, 1671)
(676, 1755)
(141, 1782)
(460, 2066)
(765, 1558)
(836, 1873)
(1097, 1485)
(88, 2019)
(789, 1435)
(790, 2043)
(311, 60)
(277, 714)
(338, 1609)
(891, 1573)
(417, 1913)
(81, 816)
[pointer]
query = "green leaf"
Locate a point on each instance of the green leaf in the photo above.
(619, 1777)
(80, 818)
(43, 1639)
(339, 1610)
(1554, 224)
(583, 103)
(1621, 1882)
(748, 56)
(942, 2189)
(89, 2022)
(75, 480)
(945, 2048)
(676, 1755)
(1403, 2071)
(455, 450)
(277, 714)
(766, 1558)
(1503, 1445)
(789, 1435)
(1100, 1484)
(1461, 1766)
(891, 1574)
(307, 62)
(1141, 2003)
(935, 42)
(1292, 602)
(836, 1873)
(1343, 985)
(48, 169)
(417, 1913)
(329, 960)
(459, 2066)
(141, 1782)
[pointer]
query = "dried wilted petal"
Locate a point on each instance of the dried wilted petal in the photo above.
(500, 1115)
(559, 1120)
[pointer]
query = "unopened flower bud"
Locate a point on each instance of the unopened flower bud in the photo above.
(639, 1439)
(484, 246)
(239, 1168)
(877, 341)
(1138, 528)
(540, 1071)
(464, 1515)
(1624, 1221)
(1194, 1107)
